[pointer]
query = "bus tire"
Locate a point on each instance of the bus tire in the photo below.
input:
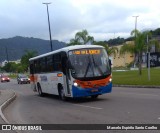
(61, 93)
(94, 96)
(34, 89)
(41, 94)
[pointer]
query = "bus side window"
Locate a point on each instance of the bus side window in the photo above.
(31, 68)
(36, 66)
(49, 63)
(43, 65)
(64, 64)
(57, 62)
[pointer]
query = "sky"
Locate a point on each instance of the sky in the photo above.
(103, 19)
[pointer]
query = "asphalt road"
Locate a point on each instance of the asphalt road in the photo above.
(122, 106)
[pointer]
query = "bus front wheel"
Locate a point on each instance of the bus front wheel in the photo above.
(61, 93)
(94, 96)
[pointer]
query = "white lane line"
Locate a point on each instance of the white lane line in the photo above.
(159, 118)
(87, 106)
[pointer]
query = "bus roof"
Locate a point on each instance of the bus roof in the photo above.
(66, 49)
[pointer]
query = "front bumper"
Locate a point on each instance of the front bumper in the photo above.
(80, 92)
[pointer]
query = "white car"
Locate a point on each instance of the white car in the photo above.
(23, 79)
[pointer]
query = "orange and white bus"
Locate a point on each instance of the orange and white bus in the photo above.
(74, 71)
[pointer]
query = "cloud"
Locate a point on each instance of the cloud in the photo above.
(102, 18)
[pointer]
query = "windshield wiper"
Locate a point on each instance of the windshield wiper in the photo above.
(89, 63)
(99, 69)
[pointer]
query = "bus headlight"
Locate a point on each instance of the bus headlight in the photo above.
(110, 80)
(75, 84)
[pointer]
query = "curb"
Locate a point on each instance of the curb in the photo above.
(4, 105)
(138, 86)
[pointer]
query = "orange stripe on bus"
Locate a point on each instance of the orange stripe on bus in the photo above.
(33, 78)
(59, 75)
(93, 84)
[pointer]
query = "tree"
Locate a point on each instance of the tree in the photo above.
(25, 59)
(156, 32)
(81, 38)
(10, 67)
(137, 48)
(110, 50)
(156, 43)
(115, 41)
(21, 67)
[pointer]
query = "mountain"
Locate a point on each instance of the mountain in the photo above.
(16, 46)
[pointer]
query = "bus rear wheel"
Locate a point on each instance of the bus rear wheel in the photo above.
(40, 91)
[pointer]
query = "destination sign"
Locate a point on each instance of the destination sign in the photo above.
(86, 51)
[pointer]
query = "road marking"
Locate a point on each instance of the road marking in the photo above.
(140, 94)
(87, 106)
(159, 118)
(147, 94)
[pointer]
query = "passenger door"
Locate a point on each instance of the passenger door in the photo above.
(66, 75)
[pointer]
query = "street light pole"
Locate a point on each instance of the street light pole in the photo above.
(135, 36)
(49, 25)
(148, 59)
(7, 54)
(135, 24)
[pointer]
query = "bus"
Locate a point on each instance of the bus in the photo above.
(73, 71)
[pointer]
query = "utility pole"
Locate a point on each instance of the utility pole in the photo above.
(7, 54)
(49, 25)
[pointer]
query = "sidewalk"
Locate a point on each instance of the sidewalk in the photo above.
(6, 96)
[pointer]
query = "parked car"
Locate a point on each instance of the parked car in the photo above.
(23, 79)
(4, 78)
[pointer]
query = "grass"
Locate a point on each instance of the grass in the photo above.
(133, 77)
(14, 75)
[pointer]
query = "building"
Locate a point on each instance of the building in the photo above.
(127, 58)
(3, 63)
(121, 60)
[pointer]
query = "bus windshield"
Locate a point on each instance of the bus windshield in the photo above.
(89, 63)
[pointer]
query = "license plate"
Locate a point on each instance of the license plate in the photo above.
(95, 90)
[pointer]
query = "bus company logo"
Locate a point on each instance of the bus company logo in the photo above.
(43, 78)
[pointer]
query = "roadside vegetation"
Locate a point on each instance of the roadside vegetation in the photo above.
(139, 46)
(127, 77)
(131, 77)
(21, 67)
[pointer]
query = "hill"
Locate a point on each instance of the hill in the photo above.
(16, 46)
